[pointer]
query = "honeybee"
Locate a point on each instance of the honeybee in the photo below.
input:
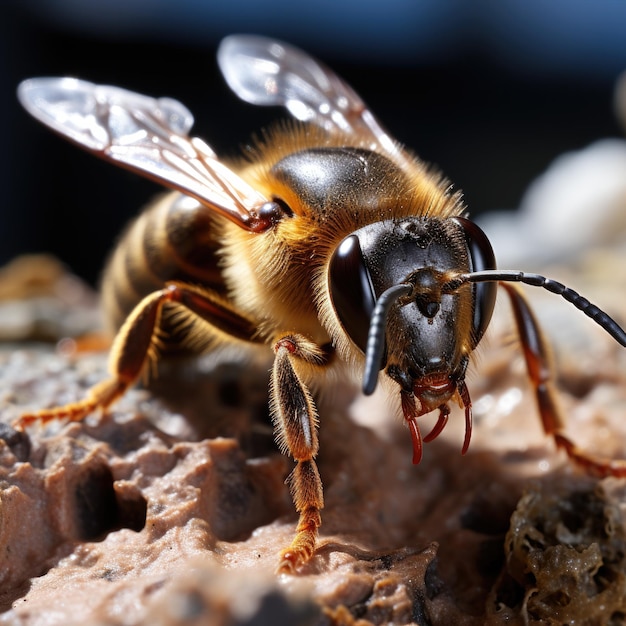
(329, 243)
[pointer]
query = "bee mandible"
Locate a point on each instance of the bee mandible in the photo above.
(328, 242)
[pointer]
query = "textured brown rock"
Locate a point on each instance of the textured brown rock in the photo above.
(116, 521)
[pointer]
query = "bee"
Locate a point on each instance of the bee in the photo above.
(328, 242)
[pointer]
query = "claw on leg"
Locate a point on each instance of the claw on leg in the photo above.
(303, 545)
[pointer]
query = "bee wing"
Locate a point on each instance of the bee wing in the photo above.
(147, 135)
(264, 71)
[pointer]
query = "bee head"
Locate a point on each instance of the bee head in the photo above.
(392, 288)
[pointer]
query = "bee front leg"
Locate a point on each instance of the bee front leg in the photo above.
(136, 345)
(540, 371)
(295, 422)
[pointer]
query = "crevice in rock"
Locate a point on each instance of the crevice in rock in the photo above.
(99, 508)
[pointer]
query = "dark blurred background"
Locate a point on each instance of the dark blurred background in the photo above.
(490, 91)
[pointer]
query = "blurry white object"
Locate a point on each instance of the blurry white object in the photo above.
(578, 203)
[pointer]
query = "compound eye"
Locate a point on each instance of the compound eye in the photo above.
(481, 258)
(351, 290)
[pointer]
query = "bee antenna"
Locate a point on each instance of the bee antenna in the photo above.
(376, 334)
(536, 280)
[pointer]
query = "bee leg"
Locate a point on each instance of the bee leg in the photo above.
(136, 344)
(100, 395)
(540, 371)
(295, 422)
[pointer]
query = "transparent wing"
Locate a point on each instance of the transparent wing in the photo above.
(264, 71)
(145, 134)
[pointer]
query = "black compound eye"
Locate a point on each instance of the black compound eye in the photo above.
(351, 290)
(481, 258)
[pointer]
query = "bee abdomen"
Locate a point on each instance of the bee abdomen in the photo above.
(173, 239)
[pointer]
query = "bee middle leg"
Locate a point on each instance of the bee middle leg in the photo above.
(296, 423)
(136, 344)
(540, 370)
